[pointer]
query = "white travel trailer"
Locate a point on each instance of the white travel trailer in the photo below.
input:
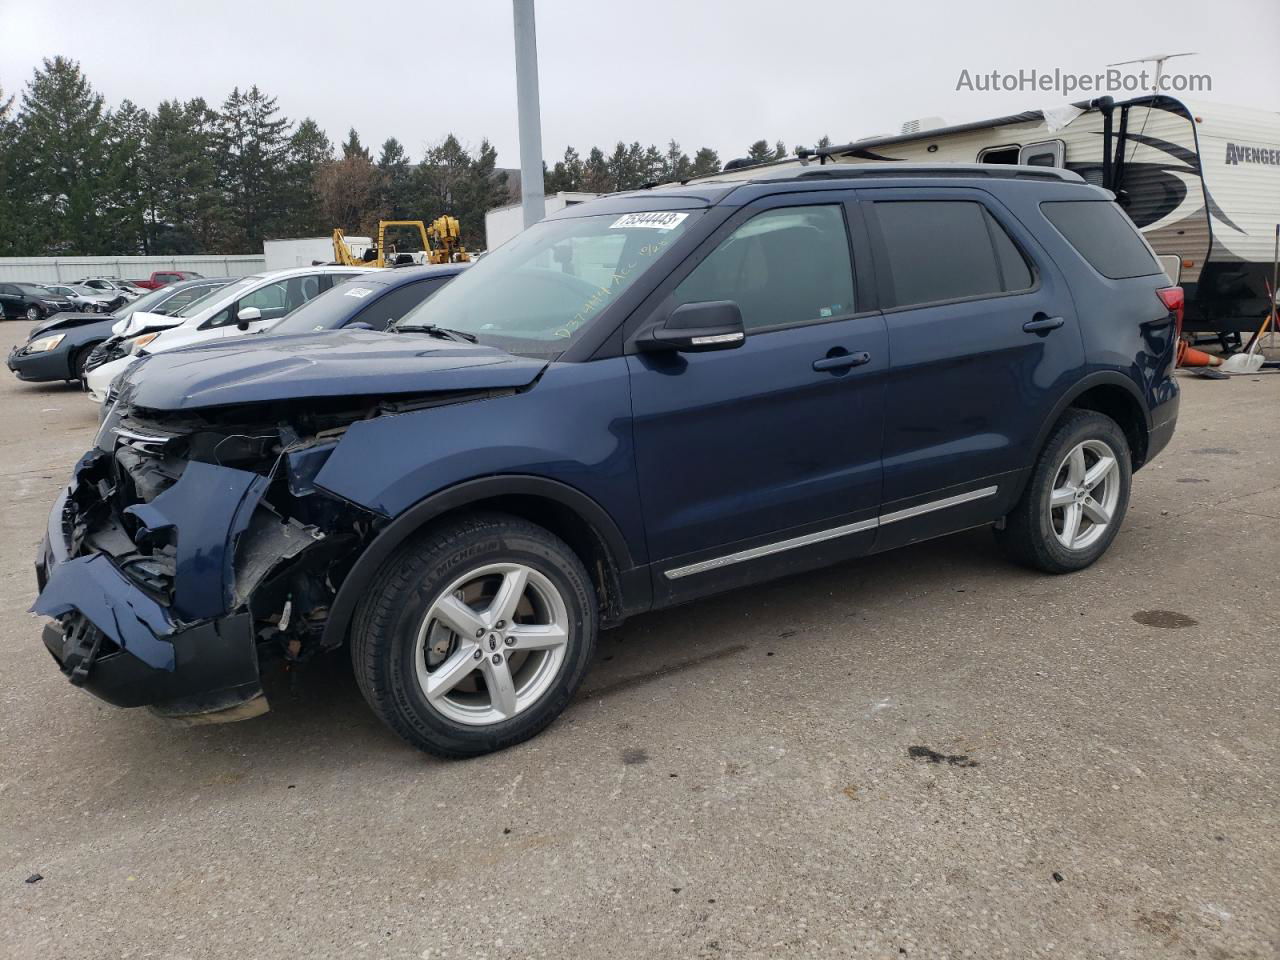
(1201, 180)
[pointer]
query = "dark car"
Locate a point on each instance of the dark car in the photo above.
(60, 348)
(31, 301)
(373, 300)
(639, 401)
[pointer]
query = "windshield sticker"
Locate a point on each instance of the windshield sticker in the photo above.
(359, 292)
(654, 221)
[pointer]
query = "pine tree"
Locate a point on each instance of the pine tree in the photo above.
(253, 157)
(397, 180)
(567, 173)
(8, 196)
(61, 162)
(595, 172)
(127, 197)
(309, 150)
(705, 162)
(188, 210)
(353, 147)
(675, 164)
(760, 152)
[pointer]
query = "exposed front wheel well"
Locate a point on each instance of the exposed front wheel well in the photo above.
(569, 526)
(1121, 406)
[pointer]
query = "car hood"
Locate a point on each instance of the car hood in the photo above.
(340, 363)
(140, 320)
(65, 321)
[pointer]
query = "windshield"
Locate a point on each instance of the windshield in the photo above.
(236, 288)
(536, 294)
(330, 310)
(157, 298)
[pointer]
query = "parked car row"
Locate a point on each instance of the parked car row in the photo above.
(60, 348)
(638, 401)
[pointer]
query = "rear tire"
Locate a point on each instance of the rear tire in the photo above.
(475, 636)
(1076, 499)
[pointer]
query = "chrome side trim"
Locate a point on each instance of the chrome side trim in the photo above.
(933, 505)
(764, 550)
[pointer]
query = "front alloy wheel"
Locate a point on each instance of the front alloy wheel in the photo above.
(33, 313)
(475, 635)
(492, 643)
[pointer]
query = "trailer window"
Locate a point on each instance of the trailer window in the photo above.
(1007, 154)
(1104, 236)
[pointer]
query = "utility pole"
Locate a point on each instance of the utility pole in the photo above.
(533, 199)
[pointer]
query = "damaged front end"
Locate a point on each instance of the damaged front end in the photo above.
(191, 547)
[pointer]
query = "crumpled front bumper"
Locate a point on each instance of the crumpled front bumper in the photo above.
(115, 640)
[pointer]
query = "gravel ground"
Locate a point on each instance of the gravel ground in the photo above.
(928, 753)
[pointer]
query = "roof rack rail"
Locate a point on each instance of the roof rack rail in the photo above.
(1001, 171)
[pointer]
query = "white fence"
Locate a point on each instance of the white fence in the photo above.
(66, 269)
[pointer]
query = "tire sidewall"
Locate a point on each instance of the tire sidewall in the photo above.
(490, 546)
(1093, 427)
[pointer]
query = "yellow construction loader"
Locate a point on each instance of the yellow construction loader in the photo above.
(440, 242)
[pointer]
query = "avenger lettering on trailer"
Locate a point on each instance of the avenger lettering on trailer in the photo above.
(1238, 153)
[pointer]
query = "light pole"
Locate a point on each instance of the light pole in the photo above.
(533, 199)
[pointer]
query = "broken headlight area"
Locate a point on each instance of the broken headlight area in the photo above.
(218, 513)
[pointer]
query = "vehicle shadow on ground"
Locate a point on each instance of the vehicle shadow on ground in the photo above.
(320, 720)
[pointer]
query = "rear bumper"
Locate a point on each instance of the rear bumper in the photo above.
(1162, 432)
(115, 640)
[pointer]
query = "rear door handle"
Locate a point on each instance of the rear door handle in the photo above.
(841, 361)
(1042, 324)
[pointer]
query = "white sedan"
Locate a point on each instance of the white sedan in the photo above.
(249, 305)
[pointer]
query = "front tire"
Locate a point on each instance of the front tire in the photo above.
(475, 636)
(1076, 499)
(34, 314)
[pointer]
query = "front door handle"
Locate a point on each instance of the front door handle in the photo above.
(841, 361)
(1042, 324)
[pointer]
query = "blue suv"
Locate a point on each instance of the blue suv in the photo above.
(639, 401)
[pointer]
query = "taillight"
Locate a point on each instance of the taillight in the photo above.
(1175, 300)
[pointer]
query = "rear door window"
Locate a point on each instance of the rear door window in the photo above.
(940, 250)
(782, 267)
(1104, 236)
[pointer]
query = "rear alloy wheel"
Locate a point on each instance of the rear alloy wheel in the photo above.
(475, 637)
(34, 314)
(1076, 499)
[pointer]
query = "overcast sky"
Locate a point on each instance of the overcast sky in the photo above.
(714, 73)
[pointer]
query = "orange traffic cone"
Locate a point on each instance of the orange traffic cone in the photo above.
(1189, 356)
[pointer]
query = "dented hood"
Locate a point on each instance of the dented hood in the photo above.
(341, 363)
(66, 321)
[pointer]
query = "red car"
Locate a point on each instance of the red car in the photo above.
(162, 278)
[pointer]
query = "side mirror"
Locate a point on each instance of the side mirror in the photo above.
(247, 316)
(698, 327)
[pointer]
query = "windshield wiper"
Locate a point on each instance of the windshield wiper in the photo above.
(433, 330)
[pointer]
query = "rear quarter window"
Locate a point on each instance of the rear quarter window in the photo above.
(1104, 236)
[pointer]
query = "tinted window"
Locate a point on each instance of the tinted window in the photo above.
(333, 309)
(947, 250)
(398, 302)
(1104, 236)
(184, 297)
(783, 266)
(1014, 272)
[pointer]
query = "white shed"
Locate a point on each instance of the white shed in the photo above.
(503, 223)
